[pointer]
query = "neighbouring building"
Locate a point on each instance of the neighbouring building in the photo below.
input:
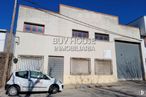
(77, 46)
(2, 39)
(141, 24)
(3, 35)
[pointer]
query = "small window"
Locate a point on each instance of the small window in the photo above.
(80, 66)
(80, 34)
(103, 67)
(33, 28)
(103, 37)
(22, 74)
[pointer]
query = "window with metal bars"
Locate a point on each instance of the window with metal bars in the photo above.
(80, 66)
(33, 28)
(103, 67)
(102, 37)
(80, 34)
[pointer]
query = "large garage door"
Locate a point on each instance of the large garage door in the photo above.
(129, 63)
(56, 67)
(30, 63)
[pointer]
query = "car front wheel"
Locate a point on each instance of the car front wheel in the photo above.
(53, 89)
(12, 91)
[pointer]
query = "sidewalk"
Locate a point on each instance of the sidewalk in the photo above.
(119, 89)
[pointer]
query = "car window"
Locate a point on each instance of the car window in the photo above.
(38, 75)
(22, 74)
(35, 74)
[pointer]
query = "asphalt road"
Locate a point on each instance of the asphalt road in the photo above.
(120, 89)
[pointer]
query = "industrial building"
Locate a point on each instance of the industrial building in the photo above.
(77, 46)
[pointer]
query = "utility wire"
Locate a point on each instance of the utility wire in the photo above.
(77, 21)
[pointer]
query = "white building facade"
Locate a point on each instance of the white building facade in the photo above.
(77, 46)
(2, 39)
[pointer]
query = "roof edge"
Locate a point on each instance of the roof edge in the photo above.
(3, 30)
(39, 9)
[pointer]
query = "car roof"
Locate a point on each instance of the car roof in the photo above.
(28, 70)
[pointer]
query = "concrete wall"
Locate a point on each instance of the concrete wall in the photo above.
(99, 20)
(60, 27)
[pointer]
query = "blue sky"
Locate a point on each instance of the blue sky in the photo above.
(127, 10)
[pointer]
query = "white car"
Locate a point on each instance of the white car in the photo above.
(32, 81)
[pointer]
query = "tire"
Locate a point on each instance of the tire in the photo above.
(53, 89)
(12, 91)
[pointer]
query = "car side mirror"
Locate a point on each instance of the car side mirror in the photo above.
(45, 77)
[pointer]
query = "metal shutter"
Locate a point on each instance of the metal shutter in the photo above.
(103, 67)
(129, 62)
(30, 63)
(80, 66)
(56, 67)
